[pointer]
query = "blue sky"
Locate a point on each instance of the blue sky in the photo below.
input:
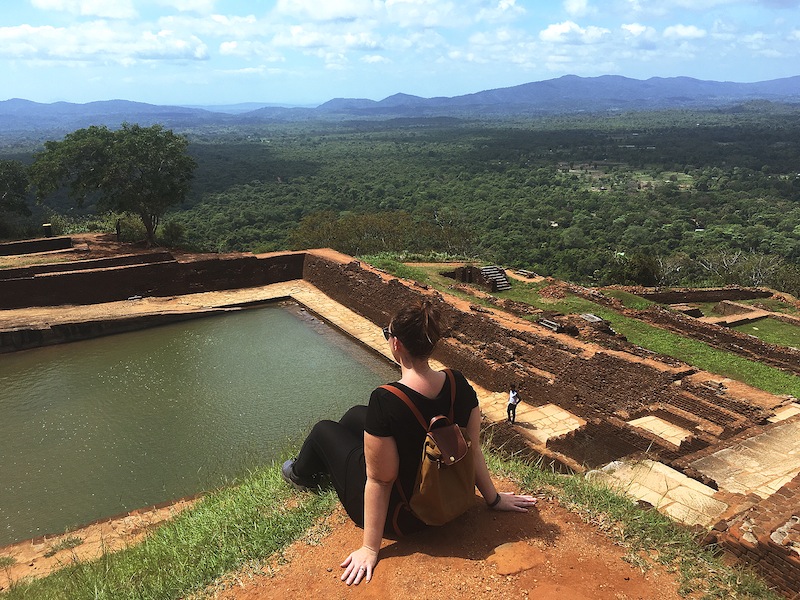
(309, 51)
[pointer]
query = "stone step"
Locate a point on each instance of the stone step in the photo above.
(758, 465)
(498, 276)
(671, 492)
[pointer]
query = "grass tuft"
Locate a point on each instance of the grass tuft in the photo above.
(67, 543)
(7, 561)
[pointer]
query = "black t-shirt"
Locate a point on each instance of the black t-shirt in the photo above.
(388, 415)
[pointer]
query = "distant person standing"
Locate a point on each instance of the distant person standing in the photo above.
(513, 400)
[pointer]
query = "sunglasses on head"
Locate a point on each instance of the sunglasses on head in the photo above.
(387, 333)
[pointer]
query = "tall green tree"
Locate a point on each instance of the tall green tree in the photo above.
(142, 170)
(13, 189)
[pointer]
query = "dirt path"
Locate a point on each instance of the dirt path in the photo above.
(546, 553)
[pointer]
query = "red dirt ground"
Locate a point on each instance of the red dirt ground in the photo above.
(546, 553)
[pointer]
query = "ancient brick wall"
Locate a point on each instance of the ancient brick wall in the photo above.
(768, 537)
(472, 275)
(37, 245)
(82, 265)
(106, 284)
(602, 388)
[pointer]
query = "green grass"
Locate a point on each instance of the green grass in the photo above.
(773, 331)
(705, 357)
(29, 261)
(774, 305)
(707, 308)
(629, 300)
(224, 531)
(67, 543)
(7, 561)
(392, 264)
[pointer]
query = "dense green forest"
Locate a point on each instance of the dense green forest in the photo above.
(669, 198)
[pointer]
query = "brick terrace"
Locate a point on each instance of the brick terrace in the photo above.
(707, 452)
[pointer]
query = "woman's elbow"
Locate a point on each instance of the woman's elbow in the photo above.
(381, 480)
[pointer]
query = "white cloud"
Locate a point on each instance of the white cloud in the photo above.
(504, 47)
(578, 8)
(684, 32)
(661, 8)
(703, 5)
(761, 43)
(795, 35)
(469, 57)
(328, 10)
(636, 29)
(426, 13)
(250, 49)
(641, 37)
(219, 26)
(333, 39)
(569, 32)
(427, 41)
(723, 30)
(260, 70)
(334, 61)
(118, 9)
(374, 59)
(299, 36)
(97, 41)
(503, 10)
(198, 6)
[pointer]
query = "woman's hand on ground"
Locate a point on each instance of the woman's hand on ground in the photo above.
(515, 502)
(359, 565)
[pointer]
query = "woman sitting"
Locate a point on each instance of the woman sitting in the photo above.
(373, 446)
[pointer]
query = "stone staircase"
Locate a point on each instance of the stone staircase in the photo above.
(497, 277)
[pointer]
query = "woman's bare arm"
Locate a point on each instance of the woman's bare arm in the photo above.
(383, 462)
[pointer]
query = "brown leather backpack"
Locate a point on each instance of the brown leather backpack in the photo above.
(445, 485)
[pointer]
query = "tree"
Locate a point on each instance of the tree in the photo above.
(142, 170)
(13, 187)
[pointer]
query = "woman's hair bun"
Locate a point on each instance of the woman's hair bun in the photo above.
(418, 327)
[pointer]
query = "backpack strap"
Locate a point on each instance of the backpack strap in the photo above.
(452, 379)
(407, 401)
(404, 397)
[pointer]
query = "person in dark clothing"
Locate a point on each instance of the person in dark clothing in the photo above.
(373, 446)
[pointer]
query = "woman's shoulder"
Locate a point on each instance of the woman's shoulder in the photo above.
(460, 379)
(381, 393)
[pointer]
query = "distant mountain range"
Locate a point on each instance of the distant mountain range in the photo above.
(568, 94)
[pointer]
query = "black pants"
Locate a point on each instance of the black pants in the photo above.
(337, 449)
(512, 412)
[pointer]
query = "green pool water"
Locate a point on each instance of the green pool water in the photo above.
(96, 428)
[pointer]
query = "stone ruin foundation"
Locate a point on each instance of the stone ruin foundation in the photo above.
(604, 389)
